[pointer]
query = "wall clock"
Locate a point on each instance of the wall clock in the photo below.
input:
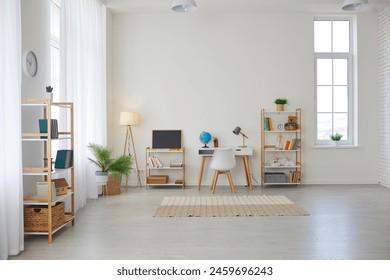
(30, 64)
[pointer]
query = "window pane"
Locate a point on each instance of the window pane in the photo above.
(341, 124)
(340, 74)
(324, 72)
(322, 36)
(324, 99)
(324, 126)
(340, 98)
(55, 23)
(341, 36)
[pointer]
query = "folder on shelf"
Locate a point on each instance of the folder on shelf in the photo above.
(64, 159)
(43, 128)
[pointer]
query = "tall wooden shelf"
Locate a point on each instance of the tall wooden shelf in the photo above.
(288, 162)
(46, 172)
(172, 165)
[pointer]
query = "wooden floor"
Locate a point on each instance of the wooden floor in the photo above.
(346, 222)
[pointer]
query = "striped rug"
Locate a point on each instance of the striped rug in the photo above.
(227, 206)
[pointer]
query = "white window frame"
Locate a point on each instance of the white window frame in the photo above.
(54, 43)
(350, 84)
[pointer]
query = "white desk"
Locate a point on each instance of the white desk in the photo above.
(238, 152)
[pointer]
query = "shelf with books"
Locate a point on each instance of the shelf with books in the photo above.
(281, 154)
(42, 208)
(165, 167)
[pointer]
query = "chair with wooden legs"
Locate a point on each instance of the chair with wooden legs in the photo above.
(222, 162)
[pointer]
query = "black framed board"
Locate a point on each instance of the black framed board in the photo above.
(166, 139)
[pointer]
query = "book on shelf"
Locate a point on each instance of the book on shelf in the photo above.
(287, 145)
(175, 164)
(268, 124)
(154, 162)
(150, 162)
(64, 159)
(294, 177)
(270, 147)
(43, 128)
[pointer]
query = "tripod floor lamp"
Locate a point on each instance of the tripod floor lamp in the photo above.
(129, 119)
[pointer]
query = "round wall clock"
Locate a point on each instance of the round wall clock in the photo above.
(30, 64)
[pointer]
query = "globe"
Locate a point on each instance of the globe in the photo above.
(205, 137)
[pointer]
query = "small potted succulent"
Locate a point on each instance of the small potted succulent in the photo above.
(336, 137)
(280, 102)
(107, 164)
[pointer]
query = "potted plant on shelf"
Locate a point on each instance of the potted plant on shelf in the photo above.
(280, 103)
(336, 137)
(107, 164)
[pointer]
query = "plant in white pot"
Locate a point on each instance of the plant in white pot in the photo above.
(107, 164)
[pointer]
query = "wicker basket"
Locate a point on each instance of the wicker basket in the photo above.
(36, 217)
(113, 186)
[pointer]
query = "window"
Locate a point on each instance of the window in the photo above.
(55, 16)
(333, 80)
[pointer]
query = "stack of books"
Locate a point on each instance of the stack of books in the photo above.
(43, 128)
(293, 144)
(268, 124)
(154, 162)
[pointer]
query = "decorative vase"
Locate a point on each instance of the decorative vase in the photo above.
(279, 107)
(101, 177)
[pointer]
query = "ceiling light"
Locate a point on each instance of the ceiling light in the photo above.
(184, 6)
(354, 5)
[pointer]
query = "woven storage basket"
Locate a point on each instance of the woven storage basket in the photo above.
(113, 186)
(36, 217)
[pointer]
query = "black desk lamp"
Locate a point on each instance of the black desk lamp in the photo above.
(237, 131)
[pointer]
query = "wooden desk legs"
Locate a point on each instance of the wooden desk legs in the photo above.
(201, 173)
(247, 172)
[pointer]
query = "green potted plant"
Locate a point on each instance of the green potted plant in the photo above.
(280, 102)
(107, 164)
(336, 137)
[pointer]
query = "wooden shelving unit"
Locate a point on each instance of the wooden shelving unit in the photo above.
(277, 162)
(46, 173)
(172, 165)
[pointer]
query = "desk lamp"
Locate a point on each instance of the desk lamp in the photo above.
(129, 119)
(237, 131)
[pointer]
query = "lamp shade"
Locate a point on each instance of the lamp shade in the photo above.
(129, 118)
(184, 6)
(353, 5)
(237, 130)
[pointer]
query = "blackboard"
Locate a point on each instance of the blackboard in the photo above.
(166, 139)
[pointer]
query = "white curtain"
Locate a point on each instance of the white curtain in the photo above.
(11, 184)
(83, 82)
(384, 96)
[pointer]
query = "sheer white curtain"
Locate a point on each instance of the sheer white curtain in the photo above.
(82, 81)
(11, 185)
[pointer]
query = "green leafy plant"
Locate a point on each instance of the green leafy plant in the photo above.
(106, 163)
(280, 101)
(336, 137)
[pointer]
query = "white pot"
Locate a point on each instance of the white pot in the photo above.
(101, 177)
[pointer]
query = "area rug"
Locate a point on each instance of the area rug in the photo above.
(227, 206)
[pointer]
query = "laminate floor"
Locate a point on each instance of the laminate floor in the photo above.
(346, 222)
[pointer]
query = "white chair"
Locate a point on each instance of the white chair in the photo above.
(222, 162)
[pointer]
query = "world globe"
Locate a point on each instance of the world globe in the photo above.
(205, 137)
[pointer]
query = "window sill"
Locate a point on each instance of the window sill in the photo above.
(337, 147)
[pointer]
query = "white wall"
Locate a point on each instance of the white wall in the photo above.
(35, 37)
(214, 71)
